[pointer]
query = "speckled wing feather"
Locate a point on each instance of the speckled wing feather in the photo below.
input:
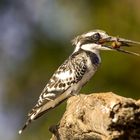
(70, 72)
(62, 81)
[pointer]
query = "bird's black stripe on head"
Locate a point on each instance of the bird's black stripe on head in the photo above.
(83, 40)
(87, 40)
(93, 38)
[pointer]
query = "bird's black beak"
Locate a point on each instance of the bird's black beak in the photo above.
(116, 43)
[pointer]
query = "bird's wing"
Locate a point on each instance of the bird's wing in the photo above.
(60, 81)
(66, 75)
(69, 73)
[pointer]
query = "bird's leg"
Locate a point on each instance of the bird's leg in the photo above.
(73, 93)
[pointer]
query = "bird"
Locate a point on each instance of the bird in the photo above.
(76, 71)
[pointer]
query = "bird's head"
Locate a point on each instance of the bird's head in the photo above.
(96, 40)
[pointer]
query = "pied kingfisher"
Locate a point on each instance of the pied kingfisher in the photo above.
(76, 71)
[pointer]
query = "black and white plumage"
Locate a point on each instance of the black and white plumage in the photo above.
(73, 74)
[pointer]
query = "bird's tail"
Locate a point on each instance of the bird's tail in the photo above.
(24, 127)
(38, 111)
(31, 116)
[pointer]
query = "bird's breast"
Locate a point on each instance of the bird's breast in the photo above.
(94, 59)
(91, 69)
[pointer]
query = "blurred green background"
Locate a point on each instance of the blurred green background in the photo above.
(35, 39)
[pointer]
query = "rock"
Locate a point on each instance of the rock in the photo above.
(99, 116)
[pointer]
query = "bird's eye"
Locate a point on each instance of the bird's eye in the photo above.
(96, 36)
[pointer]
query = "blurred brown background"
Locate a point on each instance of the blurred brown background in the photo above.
(35, 39)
